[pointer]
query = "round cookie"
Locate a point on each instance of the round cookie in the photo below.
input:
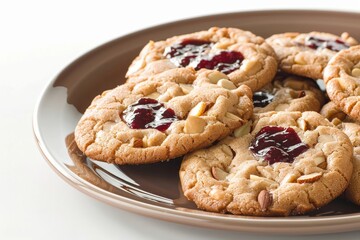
(289, 164)
(243, 56)
(352, 130)
(289, 93)
(159, 120)
(342, 80)
(306, 54)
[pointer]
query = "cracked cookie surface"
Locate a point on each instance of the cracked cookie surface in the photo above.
(230, 178)
(200, 114)
(342, 80)
(307, 54)
(289, 93)
(243, 56)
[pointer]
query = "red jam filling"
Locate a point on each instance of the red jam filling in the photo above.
(183, 53)
(225, 62)
(277, 144)
(148, 113)
(321, 43)
(262, 99)
(195, 53)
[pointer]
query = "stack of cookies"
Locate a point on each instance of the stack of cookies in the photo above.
(257, 135)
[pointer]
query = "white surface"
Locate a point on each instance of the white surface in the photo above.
(39, 38)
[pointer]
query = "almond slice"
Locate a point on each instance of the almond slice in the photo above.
(198, 110)
(227, 150)
(289, 178)
(232, 116)
(309, 178)
(243, 130)
(194, 124)
(257, 178)
(153, 95)
(186, 88)
(218, 173)
(251, 66)
(265, 200)
(319, 160)
(224, 83)
(214, 77)
(355, 72)
(303, 124)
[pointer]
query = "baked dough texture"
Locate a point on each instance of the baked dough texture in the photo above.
(342, 80)
(229, 178)
(292, 93)
(206, 112)
(256, 70)
(297, 58)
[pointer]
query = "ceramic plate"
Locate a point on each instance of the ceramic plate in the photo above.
(153, 190)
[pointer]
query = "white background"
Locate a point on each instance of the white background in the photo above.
(39, 38)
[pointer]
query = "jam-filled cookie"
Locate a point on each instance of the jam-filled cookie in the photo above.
(244, 57)
(287, 163)
(342, 80)
(158, 119)
(289, 93)
(306, 54)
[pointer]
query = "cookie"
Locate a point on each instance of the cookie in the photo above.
(289, 164)
(244, 57)
(289, 93)
(334, 114)
(352, 130)
(156, 120)
(342, 80)
(307, 54)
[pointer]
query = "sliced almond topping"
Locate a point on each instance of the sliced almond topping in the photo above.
(309, 178)
(216, 193)
(194, 124)
(186, 88)
(300, 59)
(227, 150)
(214, 77)
(290, 178)
(355, 72)
(325, 138)
(251, 66)
(232, 116)
(257, 178)
(153, 95)
(198, 110)
(218, 173)
(319, 160)
(223, 44)
(303, 124)
(243, 130)
(265, 200)
(227, 84)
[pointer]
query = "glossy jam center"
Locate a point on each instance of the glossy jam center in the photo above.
(225, 61)
(262, 99)
(148, 113)
(195, 53)
(277, 144)
(321, 43)
(183, 53)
